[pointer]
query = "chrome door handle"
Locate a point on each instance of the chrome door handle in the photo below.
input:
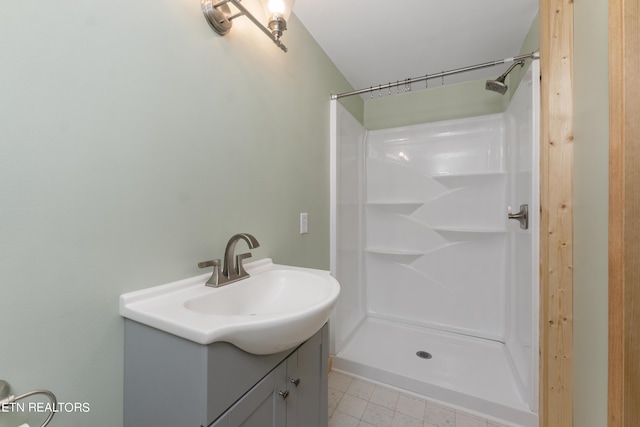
(295, 381)
(284, 394)
(522, 216)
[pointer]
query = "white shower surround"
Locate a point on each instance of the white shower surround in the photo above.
(435, 225)
(428, 260)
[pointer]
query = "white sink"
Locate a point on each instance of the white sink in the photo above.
(275, 309)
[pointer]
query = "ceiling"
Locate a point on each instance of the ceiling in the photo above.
(375, 42)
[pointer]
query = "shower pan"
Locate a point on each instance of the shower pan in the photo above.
(439, 275)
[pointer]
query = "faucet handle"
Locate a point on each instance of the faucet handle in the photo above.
(215, 279)
(239, 264)
(210, 263)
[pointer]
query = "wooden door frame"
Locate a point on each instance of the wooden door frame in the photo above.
(556, 214)
(556, 230)
(624, 206)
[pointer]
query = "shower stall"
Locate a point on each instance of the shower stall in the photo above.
(438, 267)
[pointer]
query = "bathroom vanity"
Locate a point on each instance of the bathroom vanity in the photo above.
(253, 352)
(171, 381)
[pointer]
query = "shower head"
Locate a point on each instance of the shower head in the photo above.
(498, 85)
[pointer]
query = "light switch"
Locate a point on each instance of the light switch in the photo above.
(304, 223)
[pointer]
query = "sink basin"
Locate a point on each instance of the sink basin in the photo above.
(275, 309)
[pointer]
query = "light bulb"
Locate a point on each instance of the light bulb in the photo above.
(278, 12)
(276, 7)
(279, 8)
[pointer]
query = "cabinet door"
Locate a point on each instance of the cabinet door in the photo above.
(262, 406)
(307, 377)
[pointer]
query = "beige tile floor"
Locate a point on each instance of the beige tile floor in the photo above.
(354, 402)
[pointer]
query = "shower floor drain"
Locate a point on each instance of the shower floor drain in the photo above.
(424, 355)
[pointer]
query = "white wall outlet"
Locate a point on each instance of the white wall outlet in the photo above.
(304, 223)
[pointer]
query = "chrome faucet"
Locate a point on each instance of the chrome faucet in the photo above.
(229, 273)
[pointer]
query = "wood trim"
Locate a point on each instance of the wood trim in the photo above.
(556, 216)
(624, 206)
(616, 184)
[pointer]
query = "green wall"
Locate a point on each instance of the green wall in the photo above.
(440, 103)
(466, 99)
(134, 142)
(590, 205)
(452, 101)
(530, 44)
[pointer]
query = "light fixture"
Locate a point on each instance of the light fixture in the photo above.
(220, 17)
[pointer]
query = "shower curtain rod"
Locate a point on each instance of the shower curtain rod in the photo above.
(408, 82)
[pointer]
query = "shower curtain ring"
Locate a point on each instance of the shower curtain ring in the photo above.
(389, 88)
(407, 85)
(371, 92)
(426, 81)
(397, 86)
(379, 91)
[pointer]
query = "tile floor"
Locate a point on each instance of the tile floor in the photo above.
(354, 402)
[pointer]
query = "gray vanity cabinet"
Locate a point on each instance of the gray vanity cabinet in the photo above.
(294, 394)
(307, 401)
(262, 406)
(171, 382)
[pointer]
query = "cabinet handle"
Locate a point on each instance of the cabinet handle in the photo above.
(284, 394)
(295, 381)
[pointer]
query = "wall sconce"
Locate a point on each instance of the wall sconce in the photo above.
(220, 17)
